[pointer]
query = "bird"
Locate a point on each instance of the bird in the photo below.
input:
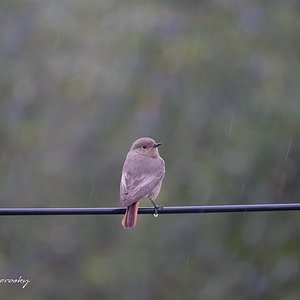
(142, 175)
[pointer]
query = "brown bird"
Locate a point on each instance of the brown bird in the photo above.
(142, 175)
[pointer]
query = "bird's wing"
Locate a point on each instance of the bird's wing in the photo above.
(134, 187)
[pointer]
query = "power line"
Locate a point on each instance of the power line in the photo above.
(30, 211)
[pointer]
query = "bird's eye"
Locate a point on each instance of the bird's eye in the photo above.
(144, 146)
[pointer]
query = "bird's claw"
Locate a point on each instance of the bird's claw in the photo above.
(156, 210)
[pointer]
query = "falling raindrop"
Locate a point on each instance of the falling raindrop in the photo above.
(188, 259)
(57, 40)
(242, 192)
(92, 192)
(288, 150)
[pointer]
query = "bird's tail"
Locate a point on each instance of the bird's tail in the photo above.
(130, 217)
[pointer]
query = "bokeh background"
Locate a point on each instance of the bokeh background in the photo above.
(217, 82)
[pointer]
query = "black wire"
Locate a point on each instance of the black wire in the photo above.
(149, 210)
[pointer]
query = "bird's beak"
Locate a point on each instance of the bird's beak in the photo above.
(156, 145)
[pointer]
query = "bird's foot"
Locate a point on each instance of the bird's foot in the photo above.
(157, 208)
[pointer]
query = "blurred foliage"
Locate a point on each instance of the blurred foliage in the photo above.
(217, 82)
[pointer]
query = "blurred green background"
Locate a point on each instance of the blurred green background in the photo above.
(217, 82)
